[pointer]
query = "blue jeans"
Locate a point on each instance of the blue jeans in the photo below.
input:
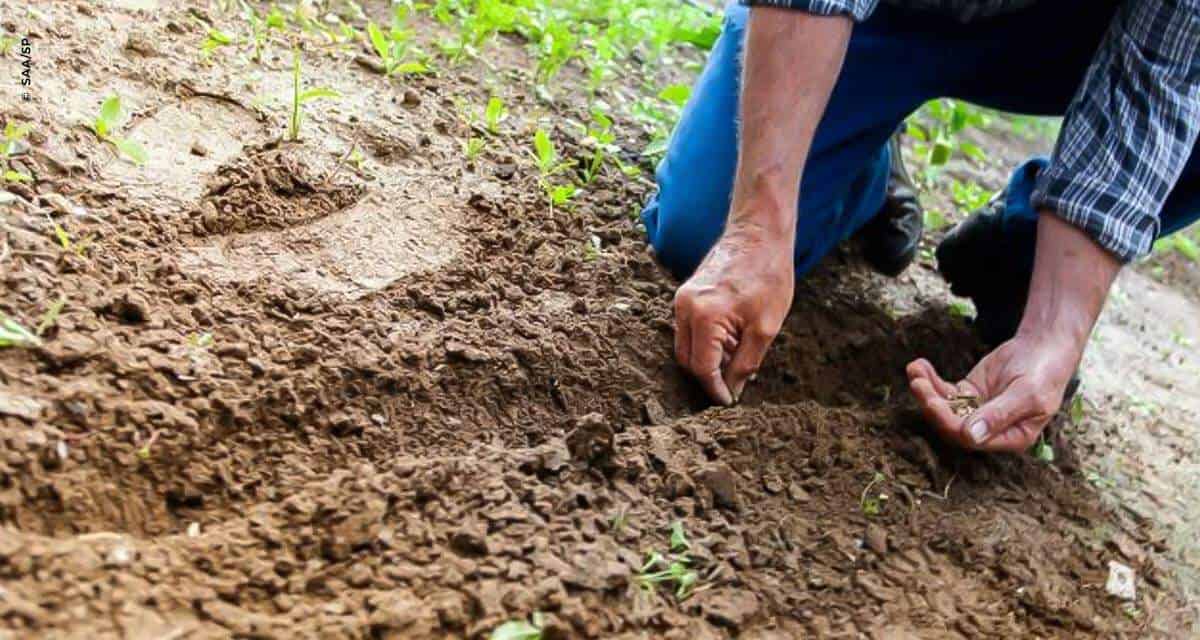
(1028, 62)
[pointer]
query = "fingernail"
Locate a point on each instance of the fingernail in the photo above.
(978, 430)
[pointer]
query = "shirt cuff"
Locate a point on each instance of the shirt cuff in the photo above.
(858, 10)
(1103, 213)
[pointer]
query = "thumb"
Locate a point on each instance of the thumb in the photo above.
(985, 427)
(746, 360)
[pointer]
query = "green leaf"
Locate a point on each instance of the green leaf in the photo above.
(961, 309)
(219, 37)
(14, 335)
(14, 131)
(940, 153)
(679, 541)
(111, 115)
(64, 238)
(16, 176)
(915, 131)
(494, 113)
(131, 150)
(1043, 451)
(972, 151)
(562, 193)
(379, 42)
(676, 94)
(317, 93)
(516, 630)
(934, 220)
(276, 19)
(410, 68)
(1077, 409)
(546, 155)
(50, 318)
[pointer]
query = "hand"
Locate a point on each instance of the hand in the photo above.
(729, 311)
(1019, 388)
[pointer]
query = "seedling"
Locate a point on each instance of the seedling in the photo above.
(213, 41)
(1181, 244)
(872, 503)
(679, 541)
(12, 334)
(1042, 450)
(969, 196)
(200, 341)
(65, 241)
(676, 94)
(261, 27)
(494, 114)
(301, 96)
(549, 164)
(13, 134)
(1077, 409)
(50, 318)
(110, 119)
(472, 147)
(619, 521)
(393, 49)
(672, 571)
(935, 220)
(520, 629)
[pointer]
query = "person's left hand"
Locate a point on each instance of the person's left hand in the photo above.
(1019, 387)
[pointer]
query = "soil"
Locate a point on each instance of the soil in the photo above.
(292, 395)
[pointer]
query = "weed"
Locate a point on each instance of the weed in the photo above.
(619, 521)
(110, 119)
(936, 128)
(302, 96)
(261, 28)
(549, 164)
(1181, 243)
(969, 196)
(12, 334)
(676, 94)
(520, 629)
(1076, 410)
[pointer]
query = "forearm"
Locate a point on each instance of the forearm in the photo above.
(1072, 275)
(791, 62)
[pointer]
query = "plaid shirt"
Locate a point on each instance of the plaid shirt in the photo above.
(1130, 128)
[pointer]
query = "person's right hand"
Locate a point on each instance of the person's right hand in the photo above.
(729, 311)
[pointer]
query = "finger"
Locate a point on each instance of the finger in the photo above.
(708, 340)
(1015, 404)
(683, 337)
(729, 347)
(746, 360)
(1016, 439)
(937, 411)
(922, 368)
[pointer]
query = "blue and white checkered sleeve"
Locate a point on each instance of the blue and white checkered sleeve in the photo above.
(858, 10)
(1130, 129)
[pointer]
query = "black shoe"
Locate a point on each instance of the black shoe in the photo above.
(990, 264)
(891, 239)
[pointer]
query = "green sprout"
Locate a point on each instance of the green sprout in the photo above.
(110, 119)
(472, 147)
(935, 220)
(1042, 450)
(673, 572)
(679, 541)
(50, 318)
(549, 164)
(494, 113)
(12, 334)
(13, 134)
(301, 96)
(66, 242)
(872, 503)
(215, 39)
(520, 629)
(393, 49)
(261, 28)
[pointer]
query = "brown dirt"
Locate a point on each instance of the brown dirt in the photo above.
(426, 409)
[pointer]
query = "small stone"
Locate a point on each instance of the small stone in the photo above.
(20, 406)
(1121, 581)
(877, 539)
(193, 530)
(199, 149)
(411, 98)
(721, 481)
(119, 556)
(653, 412)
